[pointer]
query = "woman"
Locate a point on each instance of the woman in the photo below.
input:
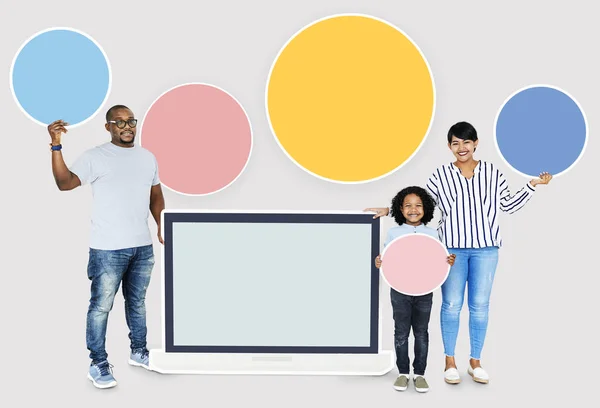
(469, 194)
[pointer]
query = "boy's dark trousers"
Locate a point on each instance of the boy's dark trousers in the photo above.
(411, 311)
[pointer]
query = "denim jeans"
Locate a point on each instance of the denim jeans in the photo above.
(411, 311)
(107, 269)
(476, 268)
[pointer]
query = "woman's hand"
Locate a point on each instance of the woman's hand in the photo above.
(545, 178)
(379, 212)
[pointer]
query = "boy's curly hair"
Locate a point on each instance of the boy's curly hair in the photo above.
(398, 201)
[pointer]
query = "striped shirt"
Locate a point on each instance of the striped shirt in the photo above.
(470, 206)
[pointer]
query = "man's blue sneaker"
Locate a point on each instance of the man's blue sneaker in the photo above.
(101, 375)
(140, 358)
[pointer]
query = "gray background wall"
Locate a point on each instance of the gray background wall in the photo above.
(542, 324)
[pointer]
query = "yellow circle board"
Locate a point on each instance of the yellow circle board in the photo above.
(350, 98)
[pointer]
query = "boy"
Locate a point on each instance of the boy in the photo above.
(412, 208)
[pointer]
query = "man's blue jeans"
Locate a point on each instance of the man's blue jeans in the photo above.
(107, 269)
(476, 268)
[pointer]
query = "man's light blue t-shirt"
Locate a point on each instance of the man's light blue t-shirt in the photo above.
(121, 180)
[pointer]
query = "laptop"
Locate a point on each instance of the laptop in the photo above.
(269, 292)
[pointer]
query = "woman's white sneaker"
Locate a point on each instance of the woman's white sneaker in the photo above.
(479, 375)
(451, 376)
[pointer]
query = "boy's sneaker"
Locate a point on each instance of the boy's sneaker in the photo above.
(140, 358)
(401, 383)
(421, 384)
(101, 375)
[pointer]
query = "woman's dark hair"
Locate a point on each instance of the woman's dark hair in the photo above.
(398, 201)
(462, 130)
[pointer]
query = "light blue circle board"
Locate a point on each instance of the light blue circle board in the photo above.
(60, 73)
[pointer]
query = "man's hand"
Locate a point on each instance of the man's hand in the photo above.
(64, 178)
(545, 178)
(56, 129)
(379, 212)
(157, 205)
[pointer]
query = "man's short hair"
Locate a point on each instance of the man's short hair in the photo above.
(112, 109)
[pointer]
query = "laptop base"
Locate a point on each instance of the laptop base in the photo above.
(272, 364)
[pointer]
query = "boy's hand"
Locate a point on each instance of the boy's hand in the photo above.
(378, 262)
(450, 259)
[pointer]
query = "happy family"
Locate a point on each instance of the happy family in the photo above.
(126, 189)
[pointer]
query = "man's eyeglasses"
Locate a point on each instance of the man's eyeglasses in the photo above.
(121, 123)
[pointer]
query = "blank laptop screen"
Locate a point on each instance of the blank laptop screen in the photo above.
(271, 282)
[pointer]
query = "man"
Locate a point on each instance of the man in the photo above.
(126, 187)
